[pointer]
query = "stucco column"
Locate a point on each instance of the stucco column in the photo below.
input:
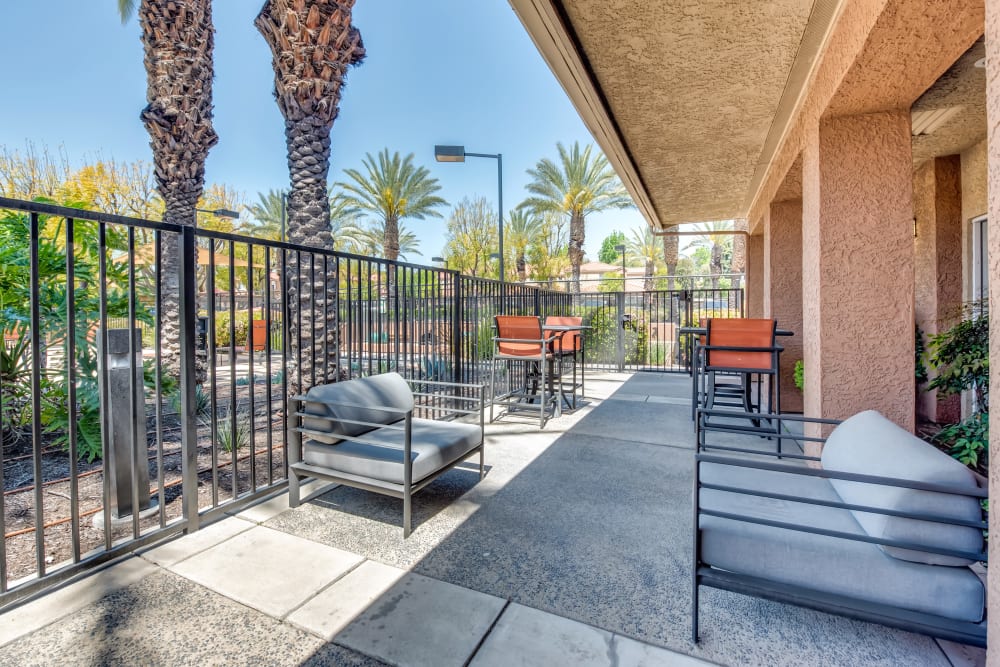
(783, 289)
(993, 168)
(857, 267)
(755, 276)
(937, 209)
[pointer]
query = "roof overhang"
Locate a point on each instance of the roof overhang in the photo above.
(689, 106)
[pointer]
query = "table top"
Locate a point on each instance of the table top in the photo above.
(565, 327)
(702, 331)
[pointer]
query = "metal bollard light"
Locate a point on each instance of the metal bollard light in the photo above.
(124, 416)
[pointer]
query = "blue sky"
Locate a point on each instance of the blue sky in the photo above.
(437, 72)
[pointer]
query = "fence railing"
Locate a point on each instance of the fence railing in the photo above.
(112, 440)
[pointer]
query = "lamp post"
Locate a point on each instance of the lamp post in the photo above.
(621, 249)
(441, 260)
(458, 154)
(495, 256)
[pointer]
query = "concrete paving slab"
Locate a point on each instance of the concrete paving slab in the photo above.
(529, 637)
(961, 655)
(631, 653)
(186, 546)
(269, 509)
(268, 570)
(347, 598)
(166, 620)
(421, 622)
(39, 613)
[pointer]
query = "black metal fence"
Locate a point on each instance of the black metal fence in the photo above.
(184, 418)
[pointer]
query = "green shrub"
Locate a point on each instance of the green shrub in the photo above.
(222, 337)
(602, 338)
(800, 374)
(961, 360)
(226, 438)
(968, 440)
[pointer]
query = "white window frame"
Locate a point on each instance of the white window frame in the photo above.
(980, 259)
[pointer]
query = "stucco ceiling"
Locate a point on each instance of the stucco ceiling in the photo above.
(685, 96)
(963, 86)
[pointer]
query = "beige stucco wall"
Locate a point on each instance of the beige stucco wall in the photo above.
(937, 211)
(755, 276)
(857, 259)
(783, 289)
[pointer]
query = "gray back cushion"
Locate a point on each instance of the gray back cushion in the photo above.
(360, 395)
(870, 444)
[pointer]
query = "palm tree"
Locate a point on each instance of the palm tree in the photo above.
(313, 43)
(713, 236)
(345, 227)
(522, 230)
(177, 38)
(268, 214)
(671, 248)
(393, 189)
(371, 242)
(739, 261)
(643, 246)
(578, 186)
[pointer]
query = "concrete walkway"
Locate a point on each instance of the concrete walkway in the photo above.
(575, 550)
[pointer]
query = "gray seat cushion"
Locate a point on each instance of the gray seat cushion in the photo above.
(870, 444)
(435, 444)
(389, 389)
(832, 565)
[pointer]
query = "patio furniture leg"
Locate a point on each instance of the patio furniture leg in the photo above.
(482, 461)
(493, 398)
(541, 412)
(406, 512)
(293, 490)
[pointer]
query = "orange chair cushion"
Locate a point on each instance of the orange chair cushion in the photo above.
(569, 341)
(527, 327)
(740, 332)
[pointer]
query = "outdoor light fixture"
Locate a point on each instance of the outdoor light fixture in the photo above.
(440, 260)
(458, 154)
(220, 212)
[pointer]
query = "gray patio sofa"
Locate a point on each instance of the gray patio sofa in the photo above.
(882, 527)
(363, 433)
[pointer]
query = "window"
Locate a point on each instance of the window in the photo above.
(980, 263)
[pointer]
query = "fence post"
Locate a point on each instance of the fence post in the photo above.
(456, 325)
(189, 431)
(620, 301)
(538, 301)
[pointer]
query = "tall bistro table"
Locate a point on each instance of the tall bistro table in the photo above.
(703, 331)
(562, 330)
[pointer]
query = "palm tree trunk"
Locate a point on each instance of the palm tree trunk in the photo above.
(522, 267)
(390, 241)
(576, 238)
(670, 250)
(313, 316)
(647, 281)
(178, 39)
(738, 265)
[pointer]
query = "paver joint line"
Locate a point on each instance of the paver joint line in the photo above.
(314, 595)
(489, 631)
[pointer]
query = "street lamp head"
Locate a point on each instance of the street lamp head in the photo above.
(221, 212)
(449, 153)
(437, 259)
(620, 249)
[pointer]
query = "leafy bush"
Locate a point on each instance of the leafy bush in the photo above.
(222, 333)
(968, 440)
(602, 338)
(961, 359)
(800, 374)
